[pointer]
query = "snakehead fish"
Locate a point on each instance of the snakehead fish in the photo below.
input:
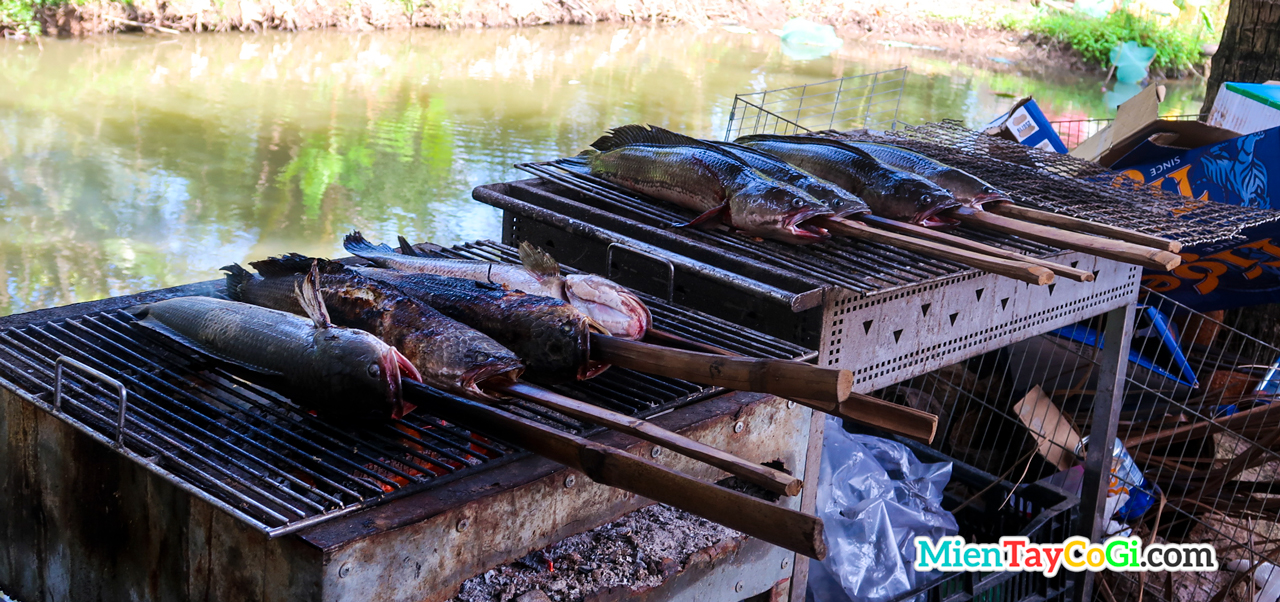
(338, 372)
(613, 307)
(552, 337)
(966, 187)
(891, 193)
(449, 356)
(841, 201)
(701, 177)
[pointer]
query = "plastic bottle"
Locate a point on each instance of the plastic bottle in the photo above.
(1126, 479)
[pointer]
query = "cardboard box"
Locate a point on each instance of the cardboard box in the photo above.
(1243, 170)
(1246, 108)
(1136, 122)
(1026, 124)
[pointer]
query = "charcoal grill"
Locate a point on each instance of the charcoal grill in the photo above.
(136, 466)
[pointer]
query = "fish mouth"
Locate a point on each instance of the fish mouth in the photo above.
(396, 366)
(806, 233)
(989, 197)
(929, 218)
(495, 374)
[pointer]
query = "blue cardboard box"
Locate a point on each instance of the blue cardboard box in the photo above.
(1243, 170)
(1026, 124)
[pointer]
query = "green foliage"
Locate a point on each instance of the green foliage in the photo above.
(19, 15)
(1177, 46)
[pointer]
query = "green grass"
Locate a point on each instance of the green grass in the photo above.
(1177, 47)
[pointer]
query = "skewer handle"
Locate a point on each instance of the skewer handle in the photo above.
(783, 527)
(1102, 247)
(1018, 270)
(774, 480)
(890, 417)
(1067, 272)
(784, 378)
(1075, 224)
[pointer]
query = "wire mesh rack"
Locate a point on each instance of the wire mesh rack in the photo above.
(869, 100)
(1198, 419)
(1074, 131)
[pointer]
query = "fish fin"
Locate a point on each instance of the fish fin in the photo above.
(406, 248)
(702, 220)
(356, 244)
(292, 264)
(630, 134)
(237, 279)
(744, 140)
(412, 250)
(308, 292)
(537, 261)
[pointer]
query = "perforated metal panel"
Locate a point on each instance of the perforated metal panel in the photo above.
(885, 339)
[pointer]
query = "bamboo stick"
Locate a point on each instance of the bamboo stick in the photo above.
(1018, 270)
(1067, 272)
(784, 378)
(773, 480)
(1075, 224)
(783, 527)
(1102, 247)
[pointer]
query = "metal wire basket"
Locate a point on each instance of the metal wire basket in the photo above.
(858, 101)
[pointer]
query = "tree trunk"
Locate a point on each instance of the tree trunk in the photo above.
(1250, 48)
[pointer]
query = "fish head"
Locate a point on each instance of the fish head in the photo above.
(615, 308)
(930, 200)
(969, 190)
(780, 212)
(488, 364)
(360, 361)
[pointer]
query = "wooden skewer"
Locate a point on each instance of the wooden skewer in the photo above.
(1018, 270)
(1080, 225)
(774, 480)
(783, 527)
(1102, 247)
(784, 378)
(1067, 272)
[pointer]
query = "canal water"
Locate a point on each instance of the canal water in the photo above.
(130, 163)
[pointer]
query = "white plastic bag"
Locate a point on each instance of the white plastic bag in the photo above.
(874, 498)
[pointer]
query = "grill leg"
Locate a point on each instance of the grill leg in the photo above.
(1112, 367)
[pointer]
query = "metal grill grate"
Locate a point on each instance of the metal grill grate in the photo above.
(227, 437)
(858, 266)
(1072, 186)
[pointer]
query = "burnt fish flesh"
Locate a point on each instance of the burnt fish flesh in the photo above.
(552, 337)
(450, 356)
(613, 307)
(891, 193)
(839, 200)
(340, 373)
(701, 177)
(966, 187)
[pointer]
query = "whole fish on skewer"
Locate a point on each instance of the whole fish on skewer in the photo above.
(449, 355)
(966, 187)
(340, 373)
(616, 309)
(702, 177)
(842, 202)
(891, 193)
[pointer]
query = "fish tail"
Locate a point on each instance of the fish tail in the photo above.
(237, 279)
(139, 312)
(579, 164)
(356, 244)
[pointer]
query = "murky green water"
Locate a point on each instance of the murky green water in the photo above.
(130, 163)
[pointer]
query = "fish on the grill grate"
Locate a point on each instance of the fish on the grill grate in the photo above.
(966, 187)
(449, 355)
(891, 193)
(702, 177)
(613, 307)
(552, 337)
(339, 372)
(841, 201)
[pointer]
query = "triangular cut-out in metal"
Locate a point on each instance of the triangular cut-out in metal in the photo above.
(953, 318)
(1075, 263)
(924, 309)
(1051, 287)
(866, 326)
(1004, 303)
(897, 335)
(979, 293)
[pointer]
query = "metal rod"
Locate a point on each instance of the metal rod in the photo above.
(121, 391)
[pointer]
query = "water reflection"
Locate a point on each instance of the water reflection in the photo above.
(129, 163)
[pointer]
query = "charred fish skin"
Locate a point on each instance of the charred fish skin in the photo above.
(449, 355)
(702, 177)
(966, 187)
(842, 202)
(549, 335)
(890, 193)
(341, 373)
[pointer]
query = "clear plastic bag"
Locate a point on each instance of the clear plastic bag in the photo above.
(874, 498)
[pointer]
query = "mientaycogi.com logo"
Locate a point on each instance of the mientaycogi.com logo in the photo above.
(952, 554)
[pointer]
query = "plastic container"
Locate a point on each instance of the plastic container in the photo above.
(1126, 480)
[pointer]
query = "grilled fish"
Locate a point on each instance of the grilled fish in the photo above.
(611, 306)
(552, 337)
(966, 187)
(341, 373)
(449, 356)
(839, 200)
(891, 193)
(701, 177)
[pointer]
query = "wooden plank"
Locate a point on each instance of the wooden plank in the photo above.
(1102, 247)
(1074, 224)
